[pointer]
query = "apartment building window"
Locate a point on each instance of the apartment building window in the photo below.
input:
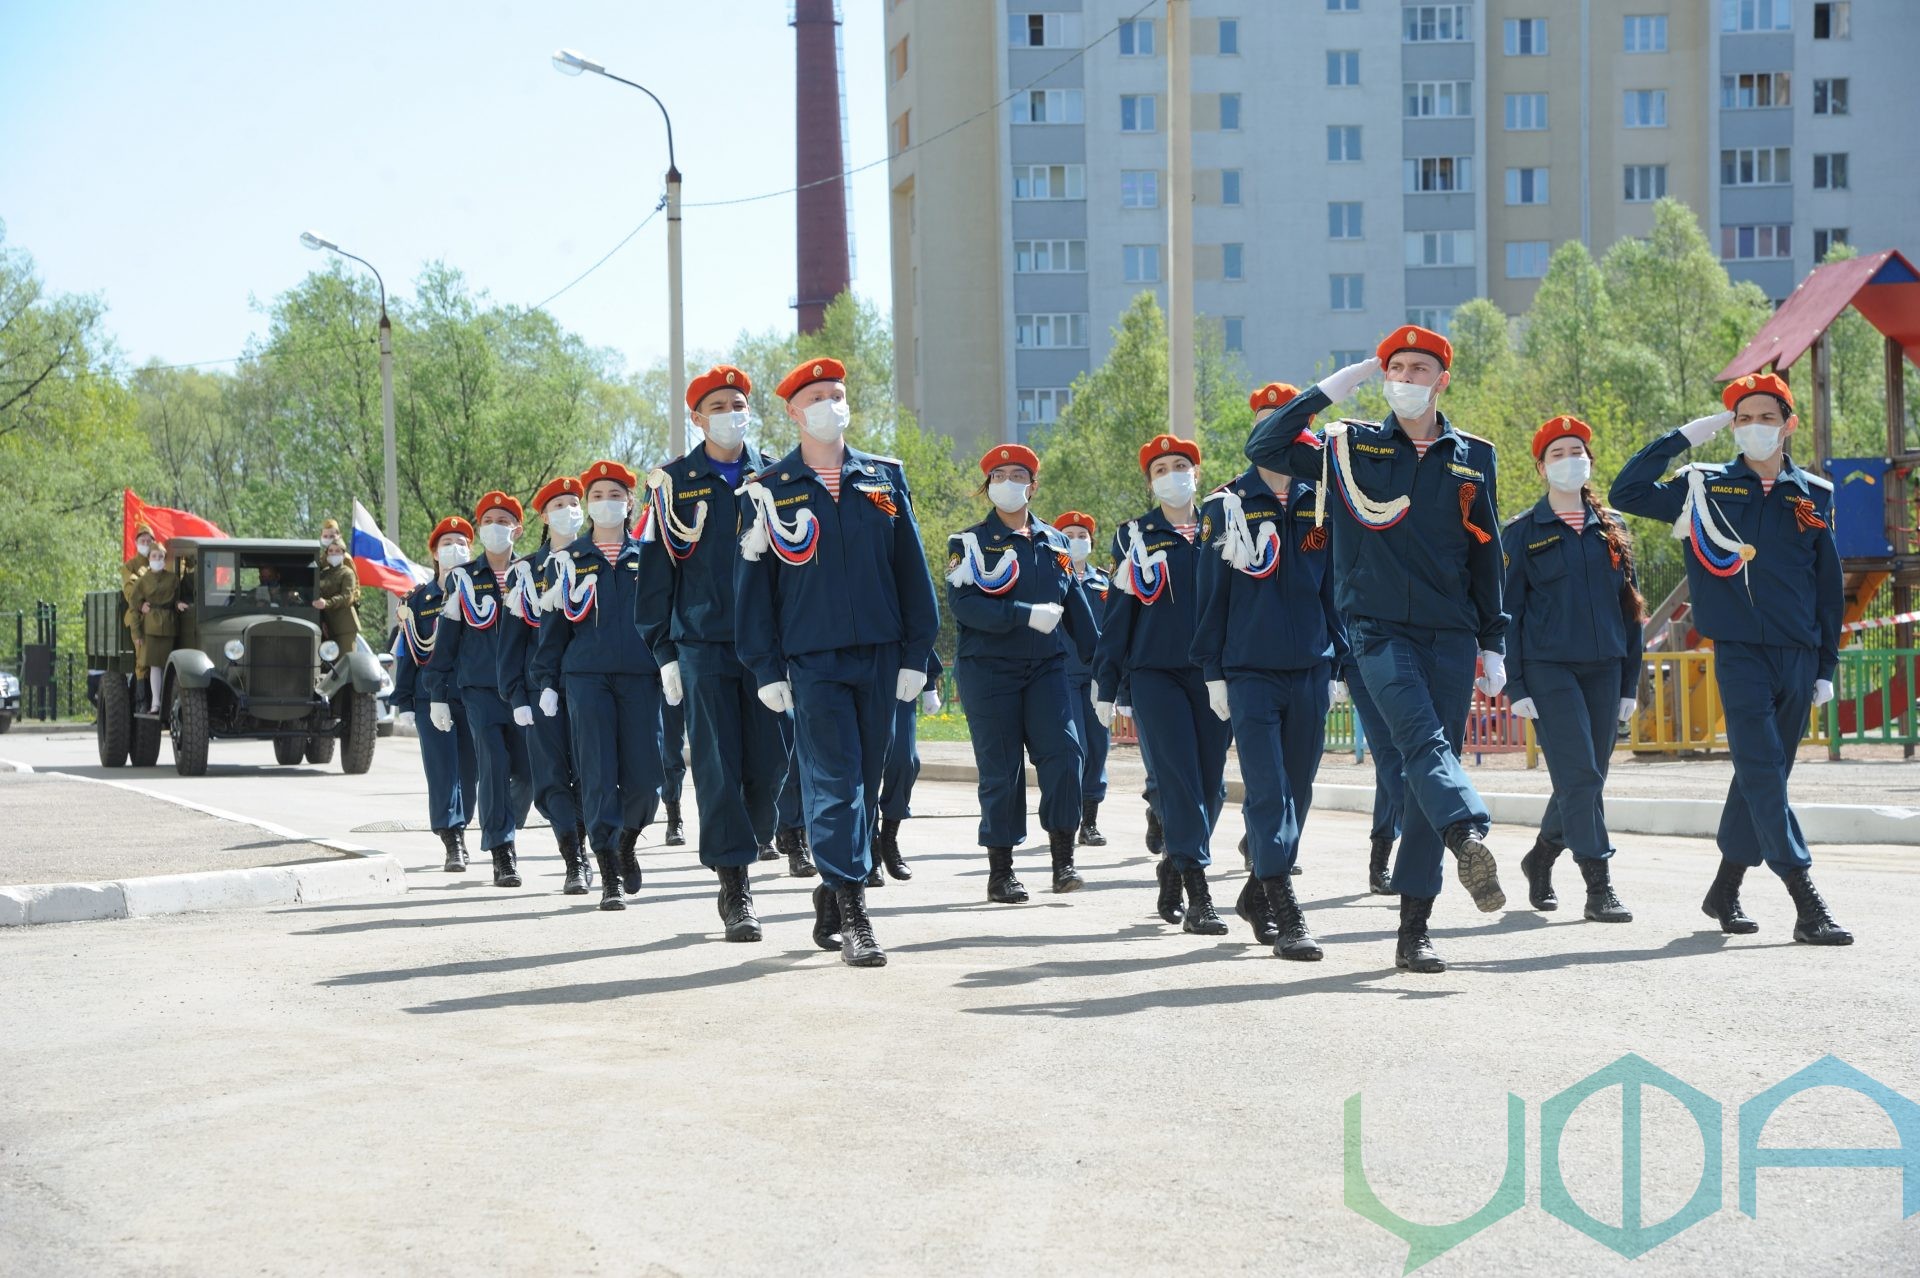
(1646, 33)
(1645, 108)
(1343, 143)
(1645, 183)
(1833, 20)
(1756, 15)
(1050, 332)
(1438, 99)
(1439, 248)
(1042, 405)
(1752, 91)
(1745, 243)
(1343, 67)
(1233, 261)
(1050, 106)
(1527, 259)
(1343, 6)
(1526, 186)
(1049, 181)
(1526, 112)
(1756, 166)
(1830, 97)
(897, 59)
(1349, 292)
(1344, 220)
(1525, 37)
(1139, 188)
(1438, 173)
(1230, 187)
(1136, 38)
(1432, 23)
(1049, 257)
(1824, 238)
(1140, 263)
(1229, 37)
(1229, 113)
(902, 132)
(1436, 319)
(1830, 172)
(1044, 30)
(1233, 333)
(1137, 113)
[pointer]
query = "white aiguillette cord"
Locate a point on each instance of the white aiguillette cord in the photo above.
(657, 478)
(1374, 514)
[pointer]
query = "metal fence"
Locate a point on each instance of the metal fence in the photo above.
(47, 651)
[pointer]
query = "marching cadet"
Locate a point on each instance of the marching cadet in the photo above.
(1080, 529)
(157, 605)
(1573, 649)
(1417, 573)
(1018, 607)
(1389, 780)
(556, 785)
(1268, 642)
(897, 779)
(466, 665)
(446, 754)
(790, 834)
(1146, 638)
(673, 768)
(130, 572)
(686, 615)
(336, 591)
(835, 616)
(591, 648)
(1764, 577)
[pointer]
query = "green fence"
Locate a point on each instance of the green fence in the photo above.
(1873, 699)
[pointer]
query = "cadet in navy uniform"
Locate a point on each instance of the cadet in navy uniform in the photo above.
(1018, 607)
(686, 615)
(1146, 640)
(1573, 656)
(590, 647)
(446, 754)
(835, 615)
(1268, 642)
(1417, 573)
(556, 787)
(1764, 578)
(895, 801)
(466, 658)
(1080, 530)
(790, 820)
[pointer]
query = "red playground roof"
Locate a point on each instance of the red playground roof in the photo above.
(1884, 287)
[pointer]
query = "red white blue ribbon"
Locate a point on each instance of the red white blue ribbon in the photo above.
(573, 592)
(523, 593)
(794, 541)
(1143, 575)
(1719, 551)
(465, 605)
(972, 569)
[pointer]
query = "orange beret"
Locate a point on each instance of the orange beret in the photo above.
(807, 372)
(1758, 384)
(1009, 455)
(1272, 395)
(1559, 428)
(1415, 338)
(451, 524)
(497, 500)
(1075, 519)
(564, 486)
(1168, 445)
(719, 377)
(613, 470)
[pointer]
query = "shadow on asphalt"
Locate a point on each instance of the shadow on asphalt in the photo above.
(1205, 996)
(639, 987)
(517, 963)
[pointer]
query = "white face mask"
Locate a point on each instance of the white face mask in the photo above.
(826, 419)
(608, 514)
(727, 431)
(1009, 495)
(1078, 548)
(1175, 488)
(1408, 399)
(453, 554)
(1757, 442)
(143, 546)
(497, 538)
(335, 559)
(1567, 474)
(564, 521)
(156, 562)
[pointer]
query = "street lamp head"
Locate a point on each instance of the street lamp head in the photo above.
(314, 242)
(571, 62)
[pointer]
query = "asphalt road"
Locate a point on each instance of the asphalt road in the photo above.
(467, 1080)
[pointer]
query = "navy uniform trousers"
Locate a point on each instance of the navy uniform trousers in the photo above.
(1766, 692)
(673, 748)
(1016, 707)
(616, 750)
(1094, 739)
(787, 813)
(1389, 781)
(844, 712)
(448, 760)
(903, 763)
(1183, 743)
(1422, 682)
(506, 773)
(739, 755)
(556, 790)
(1280, 730)
(1579, 705)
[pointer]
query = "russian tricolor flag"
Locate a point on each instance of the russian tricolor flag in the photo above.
(380, 563)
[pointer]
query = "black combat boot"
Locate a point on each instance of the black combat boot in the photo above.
(1253, 909)
(1156, 837)
(876, 877)
(769, 853)
(793, 845)
(1414, 950)
(506, 870)
(1293, 940)
(1169, 905)
(1478, 874)
(857, 946)
(889, 849)
(629, 863)
(1002, 887)
(1723, 900)
(736, 904)
(1090, 836)
(1537, 865)
(676, 828)
(587, 859)
(1812, 925)
(1201, 918)
(1602, 905)
(609, 863)
(575, 859)
(826, 917)
(455, 841)
(1065, 877)
(1378, 881)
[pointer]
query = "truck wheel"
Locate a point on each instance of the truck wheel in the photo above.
(113, 722)
(190, 732)
(320, 748)
(288, 750)
(357, 735)
(145, 751)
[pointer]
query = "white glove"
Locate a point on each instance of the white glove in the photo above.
(1494, 677)
(1701, 429)
(1125, 712)
(404, 719)
(1044, 617)
(1103, 711)
(908, 686)
(549, 702)
(1525, 708)
(1337, 386)
(1217, 699)
(523, 715)
(930, 702)
(1822, 691)
(1336, 692)
(670, 686)
(1627, 706)
(442, 716)
(777, 697)
(1093, 694)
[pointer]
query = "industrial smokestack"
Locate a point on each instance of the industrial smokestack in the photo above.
(823, 270)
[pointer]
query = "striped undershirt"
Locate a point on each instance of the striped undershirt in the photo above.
(831, 478)
(1189, 531)
(1766, 486)
(1420, 446)
(1574, 519)
(611, 549)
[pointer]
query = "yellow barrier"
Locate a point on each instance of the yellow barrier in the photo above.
(1680, 709)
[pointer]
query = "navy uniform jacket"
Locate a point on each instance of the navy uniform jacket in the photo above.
(1281, 621)
(1135, 635)
(521, 642)
(690, 599)
(605, 640)
(466, 656)
(1096, 585)
(996, 625)
(1790, 595)
(1563, 593)
(423, 608)
(864, 580)
(1427, 569)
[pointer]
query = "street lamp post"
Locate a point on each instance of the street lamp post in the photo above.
(571, 62)
(390, 504)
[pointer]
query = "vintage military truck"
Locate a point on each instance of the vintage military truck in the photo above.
(249, 664)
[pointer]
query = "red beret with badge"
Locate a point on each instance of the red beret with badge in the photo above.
(564, 486)
(1559, 428)
(612, 470)
(451, 524)
(1412, 337)
(1009, 455)
(1758, 384)
(1168, 446)
(807, 372)
(1076, 519)
(1272, 395)
(498, 500)
(719, 377)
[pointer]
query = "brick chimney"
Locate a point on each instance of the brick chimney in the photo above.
(821, 209)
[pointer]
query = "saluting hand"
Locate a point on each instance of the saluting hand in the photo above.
(1701, 429)
(1337, 386)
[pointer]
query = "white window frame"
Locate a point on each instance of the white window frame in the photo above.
(1776, 237)
(1136, 38)
(1042, 405)
(1239, 192)
(1839, 19)
(1058, 30)
(1655, 102)
(1830, 171)
(1142, 182)
(1524, 255)
(1236, 343)
(1236, 110)
(1038, 331)
(1146, 113)
(1233, 262)
(1050, 257)
(1056, 106)
(1347, 292)
(1436, 319)
(1644, 33)
(1743, 91)
(1073, 181)
(1825, 237)
(1642, 191)
(1344, 132)
(1528, 186)
(1421, 174)
(1756, 166)
(1436, 24)
(1438, 249)
(1524, 37)
(1825, 99)
(1756, 15)
(1425, 99)
(1346, 220)
(1140, 263)
(1524, 112)
(1343, 68)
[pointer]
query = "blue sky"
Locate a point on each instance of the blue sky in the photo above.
(166, 156)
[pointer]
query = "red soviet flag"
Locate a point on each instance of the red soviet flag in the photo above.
(165, 522)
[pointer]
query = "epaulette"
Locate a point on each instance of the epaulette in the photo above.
(1517, 518)
(1478, 439)
(1819, 480)
(891, 461)
(1705, 468)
